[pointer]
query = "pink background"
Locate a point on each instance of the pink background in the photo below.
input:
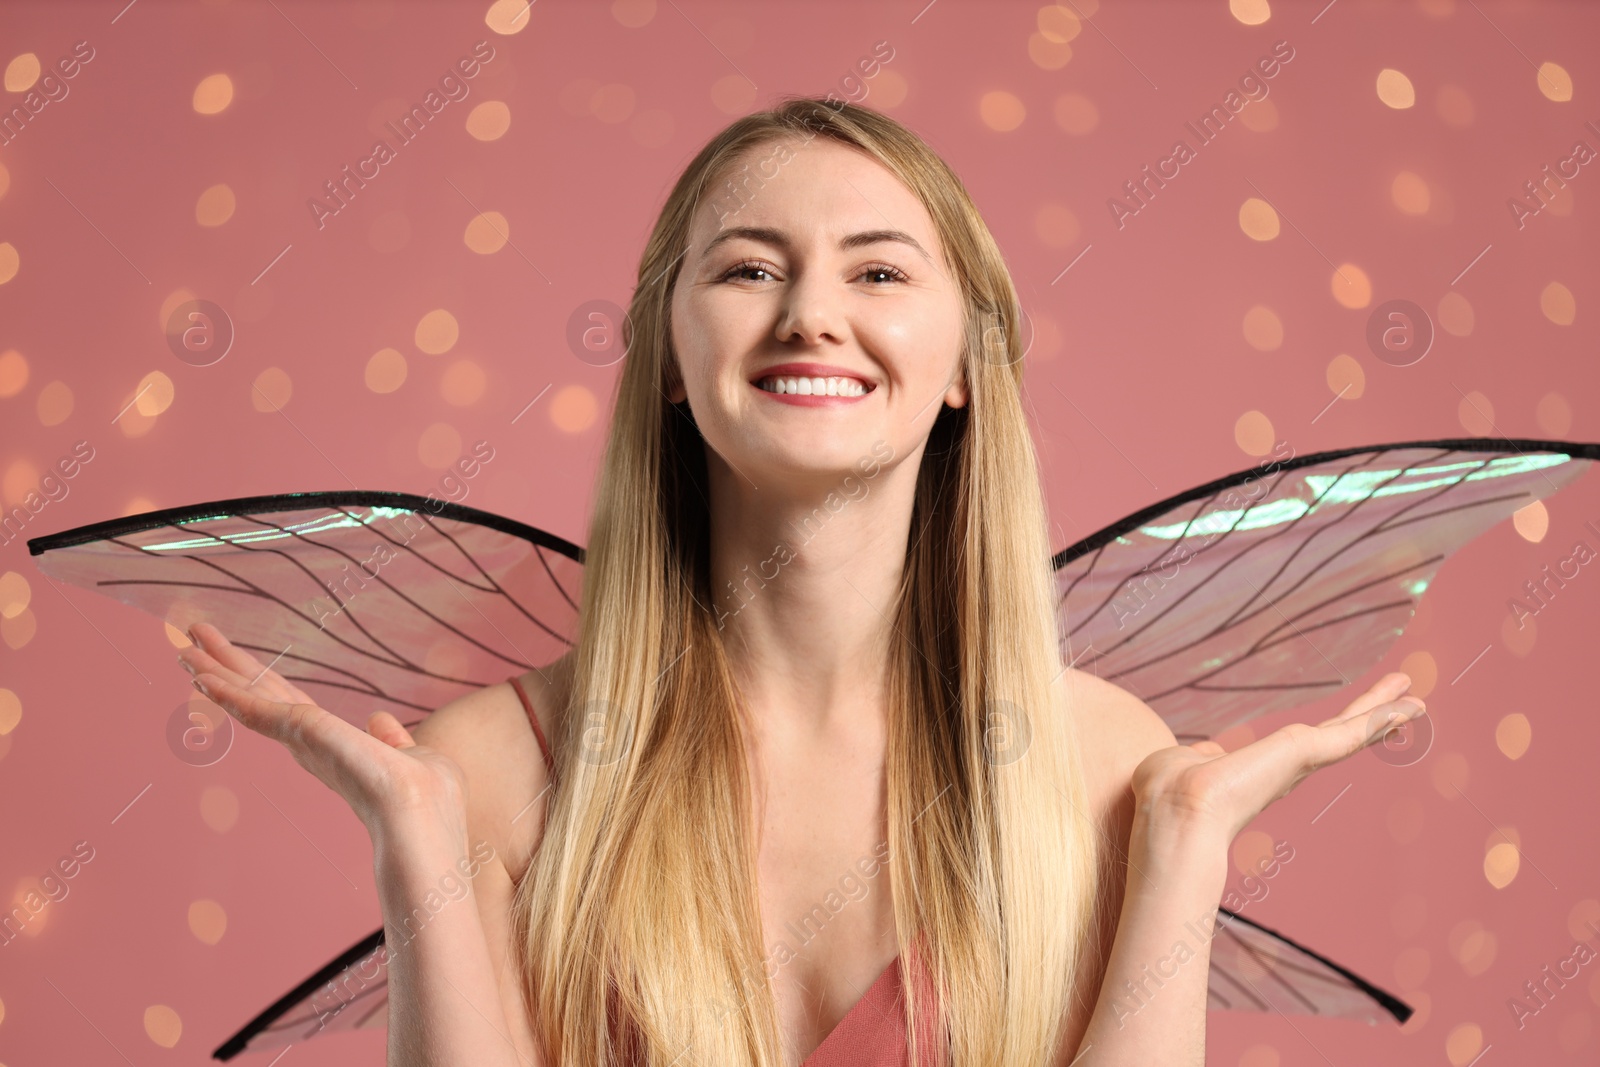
(1146, 332)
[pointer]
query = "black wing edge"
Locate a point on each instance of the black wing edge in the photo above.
(292, 501)
(235, 1044)
(1466, 444)
(1390, 1003)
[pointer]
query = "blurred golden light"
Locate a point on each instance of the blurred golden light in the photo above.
(10, 711)
(13, 372)
(21, 478)
(439, 446)
(1553, 413)
(1056, 226)
(213, 94)
(1558, 305)
(1455, 314)
(1513, 735)
(1476, 414)
(1249, 850)
(1001, 111)
(573, 409)
(1075, 113)
(1463, 1044)
(1263, 330)
(489, 121)
(386, 371)
(10, 261)
(1346, 378)
(162, 1025)
(15, 593)
(613, 103)
(1258, 219)
(271, 390)
(1351, 286)
(633, 13)
(463, 383)
(215, 206)
(155, 392)
(219, 808)
(1450, 774)
(1250, 12)
(506, 17)
(1059, 23)
(1554, 82)
(208, 921)
(1423, 671)
(1394, 89)
(1253, 433)
(1501, 863)
(54, 403)
(437, 332)
(1532, 521)
(1519, 634)
(22, 72)
(487, 233)
(20, 630)
(1047, 54)
(1410, 193)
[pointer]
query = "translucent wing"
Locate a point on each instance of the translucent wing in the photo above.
(1273, 587)
(350, 993)
(366, 600)
(1254, 968)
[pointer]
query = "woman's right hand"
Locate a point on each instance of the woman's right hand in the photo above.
(382, 773)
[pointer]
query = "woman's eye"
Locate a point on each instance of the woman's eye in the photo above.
(893, 273)
(744, 268)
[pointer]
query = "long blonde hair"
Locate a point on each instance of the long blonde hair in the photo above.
(638, 915)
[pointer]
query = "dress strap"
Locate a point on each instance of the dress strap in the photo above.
(533, 719)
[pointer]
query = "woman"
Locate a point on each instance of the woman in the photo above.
(818, 609)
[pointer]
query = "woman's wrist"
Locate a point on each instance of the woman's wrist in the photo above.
(1182, 844)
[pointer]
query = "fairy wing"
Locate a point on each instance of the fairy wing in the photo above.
(366, 600)
(1271, 588)
(1276, 586)
(1254, 968)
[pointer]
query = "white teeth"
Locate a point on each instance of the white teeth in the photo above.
(814, 386)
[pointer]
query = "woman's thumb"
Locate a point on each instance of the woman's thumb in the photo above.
(386, 728)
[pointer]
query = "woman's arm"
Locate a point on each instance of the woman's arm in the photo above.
(446, 1000)
(1152, 1005)
(1180, 809)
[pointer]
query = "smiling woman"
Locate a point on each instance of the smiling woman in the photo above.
(637, 888)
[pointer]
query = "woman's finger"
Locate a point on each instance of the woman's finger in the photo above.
(1387, 689)
(327, 746)
(388, 729)
(245, 668)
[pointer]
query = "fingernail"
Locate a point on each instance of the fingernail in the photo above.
(185, 664)
(198, 684)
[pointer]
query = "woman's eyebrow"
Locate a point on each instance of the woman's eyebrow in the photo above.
(771, 236)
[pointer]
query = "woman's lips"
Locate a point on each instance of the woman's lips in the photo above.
(810, 399)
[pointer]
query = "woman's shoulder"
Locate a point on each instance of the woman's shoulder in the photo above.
(487, 733)
(1114, 730)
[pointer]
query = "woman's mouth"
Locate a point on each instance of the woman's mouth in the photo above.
(789, 386)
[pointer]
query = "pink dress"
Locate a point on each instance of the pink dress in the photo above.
(872, 1033)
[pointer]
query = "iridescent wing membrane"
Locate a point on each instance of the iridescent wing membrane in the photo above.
(366, 600)
(1276, 586)
(1213, 608)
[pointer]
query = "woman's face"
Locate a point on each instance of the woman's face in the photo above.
(830, 261)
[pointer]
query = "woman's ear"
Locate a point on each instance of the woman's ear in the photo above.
(956, 395)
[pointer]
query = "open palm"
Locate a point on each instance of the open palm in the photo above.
(1228, 789)
(382, 773)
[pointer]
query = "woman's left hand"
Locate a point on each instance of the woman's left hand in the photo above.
(1202, 785)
